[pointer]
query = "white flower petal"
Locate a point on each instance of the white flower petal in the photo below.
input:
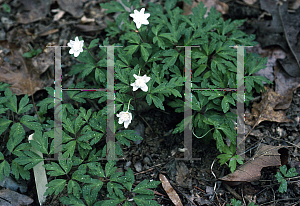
(140, 18)
(144, 88)
(126, 124)
(146, 79)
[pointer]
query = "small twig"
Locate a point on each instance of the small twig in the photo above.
(286, 142)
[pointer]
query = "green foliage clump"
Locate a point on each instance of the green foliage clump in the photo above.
(285, 174)
(151, 50)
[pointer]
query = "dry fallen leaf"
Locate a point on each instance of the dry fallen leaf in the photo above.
(285, 86)
(266, 156)
(11, 198)
(170, 191)
(264, 111)
(24, 74)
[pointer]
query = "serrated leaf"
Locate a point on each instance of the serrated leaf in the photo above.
(16, 135)
(142, 187)
(109, 168)
(145, 53)
(56, 169)
(70, 148)
(74, 188)
(131, 49)
(94, 43)
(30, 159)
(31, 122)
(18, 170)
(11, 103)
(4, 124)
(4, 169)
(71, 200)
(40, 142)
(145, 200)
(218, 137)
(56, 186)
(157, 102)
(113, 7)
(283, 186)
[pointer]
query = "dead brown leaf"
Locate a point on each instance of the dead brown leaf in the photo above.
(264, 111)
(74, 7)
(11, 198)
(266, 156)
(183, 175)
(170, 191)
(285, 86)
(33, 10)
(219, 6)
(24, 74)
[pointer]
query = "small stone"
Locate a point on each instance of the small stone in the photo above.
(146, 161)
(291, 138)
(138, 166)
(127, 165)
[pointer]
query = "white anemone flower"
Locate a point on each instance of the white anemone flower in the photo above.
(140, 82)
(140, 18)
(76, 47)
(125, 117)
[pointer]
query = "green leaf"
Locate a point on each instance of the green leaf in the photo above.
(6, 8)
(224, 158)
(4, 124)
(68, 125)
(24, 101)
(86, 57)
(31, 122)
(40, 142)
(18, 170)
(56, 169)
(94, 43)
(170, 4)
(232, 164)
(279, 177)
(291, 172)
(27, 55)
(113, 7)
(283, 186)
(144, 51)
(157, 102)
(30, 159)
(74, 188)
(168, 36)
(109, 168)
(69, 149)
(142, 187)
(11, 103)
(131, 49)
(16, 135)
(56, 186)
(95, 169)
(141, 200)
(71, 200)
(122, 136)
(283, 170)
(225, 104)
(4, 169)
(128, 179)
(218, 137)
